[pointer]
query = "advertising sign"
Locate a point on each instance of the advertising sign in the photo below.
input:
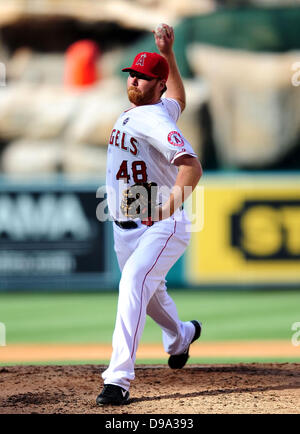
(50, 236)
(251, 232)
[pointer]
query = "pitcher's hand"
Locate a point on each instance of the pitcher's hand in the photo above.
(164, 38)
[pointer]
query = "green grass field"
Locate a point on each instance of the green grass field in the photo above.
(89, 318)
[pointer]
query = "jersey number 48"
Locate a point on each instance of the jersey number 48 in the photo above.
(138, 170)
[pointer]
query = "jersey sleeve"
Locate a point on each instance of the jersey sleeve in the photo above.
(167, 138)
(172, 107)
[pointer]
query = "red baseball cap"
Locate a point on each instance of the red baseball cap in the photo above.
(151, 64)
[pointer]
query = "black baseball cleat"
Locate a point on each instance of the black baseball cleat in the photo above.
(112, 395)
(179, 360)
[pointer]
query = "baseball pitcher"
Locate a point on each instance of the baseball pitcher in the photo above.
(150, 167)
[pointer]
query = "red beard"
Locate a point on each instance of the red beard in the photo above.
(137, 97)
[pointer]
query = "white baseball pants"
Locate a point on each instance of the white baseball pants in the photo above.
(145, 256)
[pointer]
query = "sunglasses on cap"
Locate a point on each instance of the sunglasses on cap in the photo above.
(140, 76)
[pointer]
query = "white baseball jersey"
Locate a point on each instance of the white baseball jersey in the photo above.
(143, 146)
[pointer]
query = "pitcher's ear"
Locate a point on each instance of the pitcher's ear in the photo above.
(162, 84)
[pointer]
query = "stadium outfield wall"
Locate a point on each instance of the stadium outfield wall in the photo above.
(245, 233)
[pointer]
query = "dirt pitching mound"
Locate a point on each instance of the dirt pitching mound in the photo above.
(242, 388)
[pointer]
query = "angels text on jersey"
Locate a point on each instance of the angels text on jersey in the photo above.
(124, 142)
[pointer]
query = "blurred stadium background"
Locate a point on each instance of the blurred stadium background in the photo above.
(60, 92)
